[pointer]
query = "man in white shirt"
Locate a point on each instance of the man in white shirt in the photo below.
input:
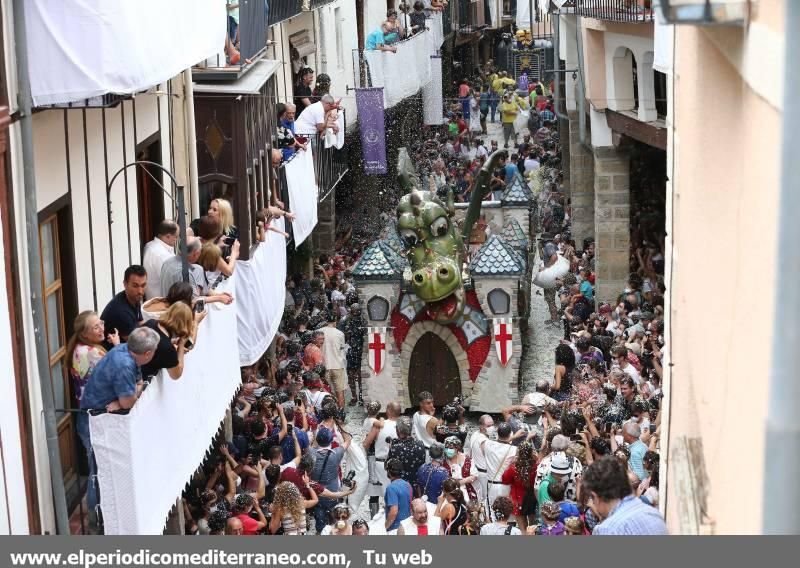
(499, 456)
(383, 433)
(155, 253)
(620, 355)
(480, 150)
(333, 357)
(485, 432)
(531, 163)
(314, 118)
(424, 423)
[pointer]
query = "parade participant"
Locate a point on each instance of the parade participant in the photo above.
(383, 434)
(499, 455)
(462, 469)
(424, 421)
(486, 430)
(373, 425)
(453, 418)
(420, 523)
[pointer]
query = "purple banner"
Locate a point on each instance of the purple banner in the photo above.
(373, 136)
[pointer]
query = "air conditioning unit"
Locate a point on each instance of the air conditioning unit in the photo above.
(303, 43)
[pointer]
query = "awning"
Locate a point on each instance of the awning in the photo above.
(78, 49)
(248, 84)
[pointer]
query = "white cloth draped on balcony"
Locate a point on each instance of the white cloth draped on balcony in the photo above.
(432, 96)
(79, 49)
(303, 191)
(403, 73)
(145, 458)
(260, 295)
(663, 38)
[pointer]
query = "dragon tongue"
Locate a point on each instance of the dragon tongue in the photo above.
(445, 307)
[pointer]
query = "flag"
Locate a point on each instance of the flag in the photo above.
(369, 102)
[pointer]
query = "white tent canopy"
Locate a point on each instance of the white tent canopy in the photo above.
(79, 49)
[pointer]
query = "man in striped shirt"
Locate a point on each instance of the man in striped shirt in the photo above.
(611, 499)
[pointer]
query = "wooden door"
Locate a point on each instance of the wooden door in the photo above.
(150, 194)
(55, 331)
(433, 368)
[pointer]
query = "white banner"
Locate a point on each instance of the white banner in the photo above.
(376, 343)
(432, 94)
(302, 185)
(260, 295)
(403, 73)
(503, 339)
(80, 49)
(145, 458)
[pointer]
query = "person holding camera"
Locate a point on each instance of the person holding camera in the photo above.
(176, 335)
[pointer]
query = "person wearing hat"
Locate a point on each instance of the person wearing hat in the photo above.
(559, 445)
(560, 470)
(326, 471)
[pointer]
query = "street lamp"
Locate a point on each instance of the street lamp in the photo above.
(176, 199)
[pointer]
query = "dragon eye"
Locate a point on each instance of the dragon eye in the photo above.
(409, 237)
(439, 227)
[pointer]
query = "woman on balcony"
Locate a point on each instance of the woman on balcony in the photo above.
(177, 333)
(84, 351)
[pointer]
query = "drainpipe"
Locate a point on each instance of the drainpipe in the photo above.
(191, 142)
(25, 102)
(782, 452)
(557, 65)
(581, 83)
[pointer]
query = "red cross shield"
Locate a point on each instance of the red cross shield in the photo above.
(503, 334)
(376, 342)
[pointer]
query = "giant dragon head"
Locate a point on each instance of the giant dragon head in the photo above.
(434, 247)
(435, 251)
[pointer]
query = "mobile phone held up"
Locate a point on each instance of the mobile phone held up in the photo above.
(199, 306)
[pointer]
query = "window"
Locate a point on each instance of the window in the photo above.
(378, 308)
(337, 16)
(499, 301)
(53, 297)
(660, 92)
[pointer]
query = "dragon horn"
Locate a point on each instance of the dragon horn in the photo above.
(481, 190)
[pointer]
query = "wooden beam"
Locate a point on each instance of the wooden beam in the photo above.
(644, 132)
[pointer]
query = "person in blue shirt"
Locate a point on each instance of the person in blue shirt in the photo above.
(605, 483)
(586, 286)
(398, 495)
(431, 476)
(115, 384)
(377, 41)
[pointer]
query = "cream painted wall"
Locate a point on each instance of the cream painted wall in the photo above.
(339, 69)
(726, 154)
(13, 504)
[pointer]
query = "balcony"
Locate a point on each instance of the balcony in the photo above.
(244, 46)
(280, 10)
(633, 11)
(175, 421)
(311, 5)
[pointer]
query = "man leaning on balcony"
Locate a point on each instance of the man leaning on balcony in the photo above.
(316, 118)
(376, 41)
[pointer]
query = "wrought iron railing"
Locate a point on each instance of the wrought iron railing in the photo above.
(280, 10)
(243, 47)
(330, 163)
(109, 100)
(635, 11)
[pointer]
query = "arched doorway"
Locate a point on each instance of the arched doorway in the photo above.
(433, 368)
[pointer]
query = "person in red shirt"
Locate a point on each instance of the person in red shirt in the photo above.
(299, 476)
(242, 506)
(521, 476)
